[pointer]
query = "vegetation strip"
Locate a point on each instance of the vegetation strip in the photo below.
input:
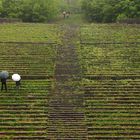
(33, 43)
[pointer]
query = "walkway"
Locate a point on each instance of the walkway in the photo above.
(66, 103)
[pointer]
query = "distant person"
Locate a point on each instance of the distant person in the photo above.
(64, 14)
(68, 14)
(3, 84)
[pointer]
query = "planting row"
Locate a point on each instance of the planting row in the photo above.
(29, 33)
(28, 59)
(110, 33)
(112, 109)
(23, 112)
(110, 59)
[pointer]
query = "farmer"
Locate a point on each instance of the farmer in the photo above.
(3, 84)
(68, 14)
(64, 14)
(3, 76)
(17, 78)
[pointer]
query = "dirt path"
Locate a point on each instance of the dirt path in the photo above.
(66, 104)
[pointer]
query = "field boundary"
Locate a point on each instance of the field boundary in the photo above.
(32, 43)
(108, 77)
(119, 43)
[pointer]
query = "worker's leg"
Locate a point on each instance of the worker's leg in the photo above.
(5, 86)
(1, 86)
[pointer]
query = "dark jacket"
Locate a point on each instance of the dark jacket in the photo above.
(3, 80)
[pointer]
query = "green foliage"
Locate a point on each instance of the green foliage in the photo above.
(110, 10)
(30, 10)
(74, 6)
(39, 10)
(11, 9)
(0, 6)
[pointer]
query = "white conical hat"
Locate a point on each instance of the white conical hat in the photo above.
(16, 77)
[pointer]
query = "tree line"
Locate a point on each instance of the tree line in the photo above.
(37, 10)
(74, 6)
(29, 10)
(47, 10)
(111, 10)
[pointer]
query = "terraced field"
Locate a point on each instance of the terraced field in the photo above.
(23, 112)
(111, 59)
(110, 55)
(29, 60)
(110, 33)
(71, 89)
(30, 50)
(23, 32)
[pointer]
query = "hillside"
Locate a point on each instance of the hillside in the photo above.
(79, 81)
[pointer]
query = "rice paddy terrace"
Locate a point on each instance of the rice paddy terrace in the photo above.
(110, 55)
(78, 83)
(30, 50)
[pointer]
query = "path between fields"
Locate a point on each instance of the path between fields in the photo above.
(66, 103)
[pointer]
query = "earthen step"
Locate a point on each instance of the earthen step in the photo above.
(92, 95)
(114, 92)
(112, 137)
(65, 106)
(9, 119)
(30, 138)
(24, 128)
(23, 115)
(68, 117)
(15, 104)
(18, 133)
(113, 128)
(24, 123)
